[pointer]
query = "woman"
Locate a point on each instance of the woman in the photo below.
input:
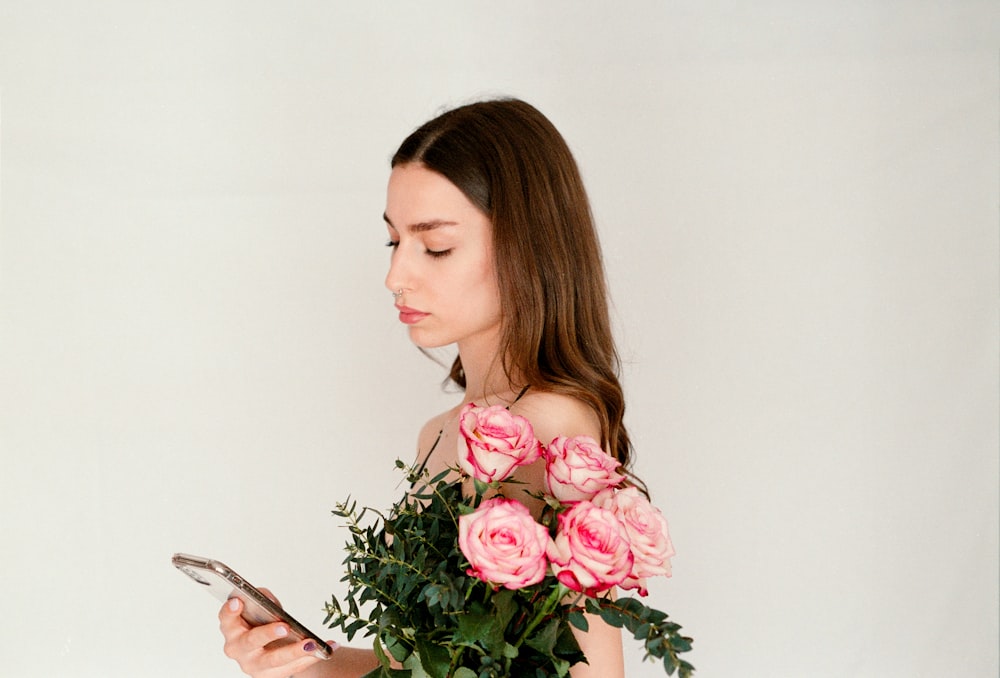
(493, 250)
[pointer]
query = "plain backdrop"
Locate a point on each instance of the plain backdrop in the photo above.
(798, 203)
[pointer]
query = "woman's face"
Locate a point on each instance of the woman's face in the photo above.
(442, 261)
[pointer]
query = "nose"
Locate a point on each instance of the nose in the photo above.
(399, 275)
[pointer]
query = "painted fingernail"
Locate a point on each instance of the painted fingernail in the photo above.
(309, 646)
(234, 604)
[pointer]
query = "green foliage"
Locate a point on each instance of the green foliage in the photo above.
(427, 614)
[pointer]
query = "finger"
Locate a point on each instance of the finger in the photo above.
(289, 657)
(230, 617)
(243, 636)
(262, 636)
(259, 645)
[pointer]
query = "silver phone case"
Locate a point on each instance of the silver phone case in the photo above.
(223, 583)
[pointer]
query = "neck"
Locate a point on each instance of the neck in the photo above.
(484, 375)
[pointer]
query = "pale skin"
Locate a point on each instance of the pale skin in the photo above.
(442, 262)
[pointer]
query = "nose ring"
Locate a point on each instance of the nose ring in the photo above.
(397, 294)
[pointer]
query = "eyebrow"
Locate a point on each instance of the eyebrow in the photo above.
(422, 226)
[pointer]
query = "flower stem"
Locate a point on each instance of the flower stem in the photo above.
(455, 657)
(544, 611)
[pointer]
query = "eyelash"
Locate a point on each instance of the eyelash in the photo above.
(431, 253)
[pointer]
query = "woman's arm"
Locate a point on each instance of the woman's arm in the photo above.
(602, 644)
(553, 415)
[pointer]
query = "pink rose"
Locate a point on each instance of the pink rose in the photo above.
(503, 544)
(647, 532)
(577, 468)
(493, 442)
(591, 552)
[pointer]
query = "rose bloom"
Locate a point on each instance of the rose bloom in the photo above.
(647, 532)
(577, 468)
(493, 442)
(503, 544)
(591, 552)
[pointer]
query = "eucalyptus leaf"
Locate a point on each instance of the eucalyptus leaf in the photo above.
(612, 616)
(578, 620)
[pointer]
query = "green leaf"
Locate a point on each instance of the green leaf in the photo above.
(577, 619)
(434, 658)
(439, 477)
(398, 651)
(505, 606)
(464, 672)
(544, 640)
(416, 670)
(562, 667)
(567, 646)
(354, 627)
(633, 607)
(680, 643)
(474, 626)
(380, 653)
(612, 617)
(656, 617)
(669, 663)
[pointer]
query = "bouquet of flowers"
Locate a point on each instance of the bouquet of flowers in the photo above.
(474, 587)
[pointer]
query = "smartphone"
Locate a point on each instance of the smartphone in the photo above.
(224, 584)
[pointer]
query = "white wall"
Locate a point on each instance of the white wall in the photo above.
(799, 208)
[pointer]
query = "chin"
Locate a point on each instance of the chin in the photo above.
(421, 340)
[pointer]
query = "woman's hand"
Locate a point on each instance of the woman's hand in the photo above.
(263, 651)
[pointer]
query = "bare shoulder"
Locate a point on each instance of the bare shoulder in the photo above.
(430, 430)
(551, 415)
(434, 429)
(556, 414)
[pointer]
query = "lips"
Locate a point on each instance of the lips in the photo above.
(410, 316)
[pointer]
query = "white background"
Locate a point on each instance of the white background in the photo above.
(798, 204)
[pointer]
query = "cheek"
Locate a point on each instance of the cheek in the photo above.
(486, 283)
(491, 301)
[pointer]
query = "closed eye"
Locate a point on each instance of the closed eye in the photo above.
(434, 254)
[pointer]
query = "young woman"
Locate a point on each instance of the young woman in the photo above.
(493, 250)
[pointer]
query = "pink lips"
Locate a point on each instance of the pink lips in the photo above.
(410, 315)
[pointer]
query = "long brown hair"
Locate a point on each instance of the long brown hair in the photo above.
(512, 163)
